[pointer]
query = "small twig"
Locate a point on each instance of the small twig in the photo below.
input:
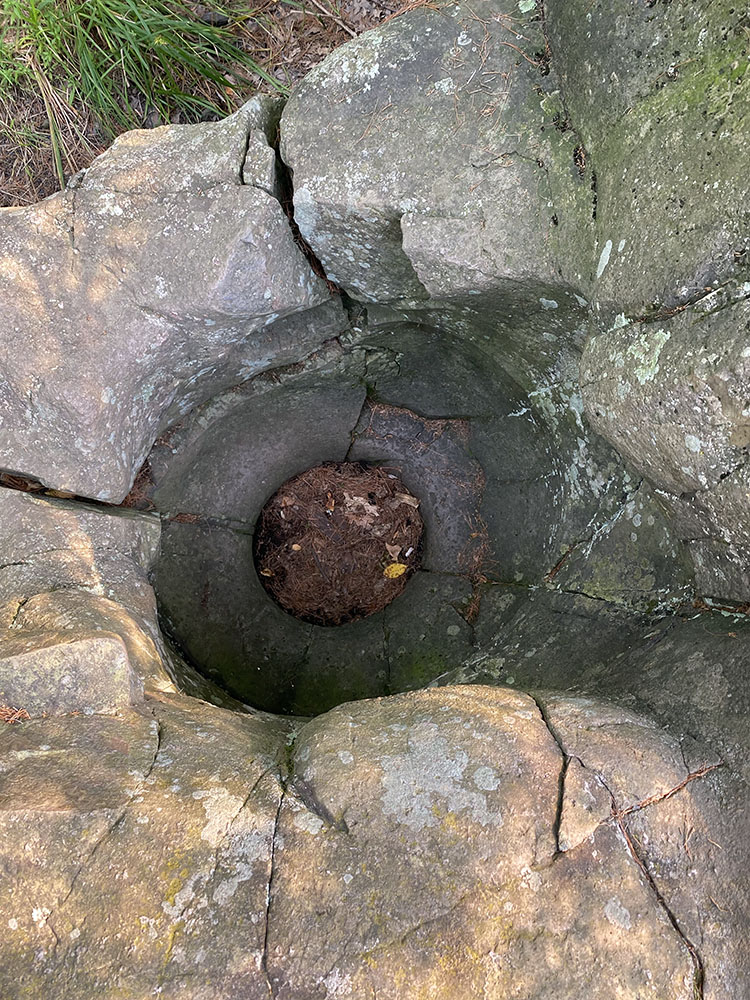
(373, 116)
(521, 53)
(414, 5)
(662, 797)
(54, 140)
(550, 576)
(671, 71)
(323, 573)
(685, 842)
(502, 19)
(328, 13)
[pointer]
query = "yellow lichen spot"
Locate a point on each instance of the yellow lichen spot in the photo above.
(449, 823)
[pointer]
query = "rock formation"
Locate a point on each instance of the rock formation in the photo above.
(502, 248)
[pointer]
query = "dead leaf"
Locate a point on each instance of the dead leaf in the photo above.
(394, 551)
(296, 548)
(395, 570)
(355, 503)
(407, 498)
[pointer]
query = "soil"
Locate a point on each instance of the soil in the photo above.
(286, 38)
(338, 542)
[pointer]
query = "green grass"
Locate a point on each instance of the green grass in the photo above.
(76, 73)
(120, 60)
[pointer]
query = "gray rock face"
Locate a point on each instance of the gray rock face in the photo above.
(164, 820)
(78, 614)
(687, 673)
(427, 163)
(661, 105)
(51, 672)
(211, 867)
(159, 269)
(526, 777)
(689, 373)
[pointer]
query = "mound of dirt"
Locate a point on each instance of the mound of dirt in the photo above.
(338, 542)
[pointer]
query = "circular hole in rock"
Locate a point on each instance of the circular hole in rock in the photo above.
(338, 542)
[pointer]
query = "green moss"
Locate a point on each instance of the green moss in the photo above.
(320, 690)
(413, 671)
(709, 85)
(673, 184)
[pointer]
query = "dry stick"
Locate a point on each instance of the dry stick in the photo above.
(375, 113)
(501, 20)
(661, 797)
(323, 573)
(52, 127)
(414, 5)
(10, 714)
(520, 52)
(328, 13)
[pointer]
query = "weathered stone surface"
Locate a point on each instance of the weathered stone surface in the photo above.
(660, 102)
(671, 396)
(513, 486)
(192, 157)
(685, 673)
(178, 807)
(547, 489)
(227, 855)
(427, 162)
(433, 460)
(721, 570)
(78, 615)
(686, 670)
(689, 373)
(658, 830)
(232, 458)
(212, 602)
(53, 546)
(635, 559)
(159, 268)
(475, 175)
(586, 804)
(659, 97)
(55, 673)
(420, 646)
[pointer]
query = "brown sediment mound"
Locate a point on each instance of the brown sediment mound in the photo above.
(338, 542)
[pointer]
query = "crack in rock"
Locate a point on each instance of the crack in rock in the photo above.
(600, 532)
(269, 898)
(564, 764)
(306, 794)
(115, 825)
(698, 968)
(619, 816)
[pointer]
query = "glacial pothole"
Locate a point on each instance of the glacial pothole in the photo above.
(499, 225)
